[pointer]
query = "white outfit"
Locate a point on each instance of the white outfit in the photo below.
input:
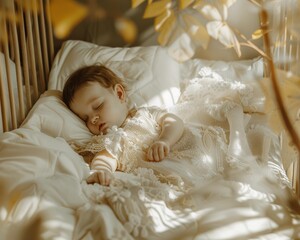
(129, 144)
(151, 197)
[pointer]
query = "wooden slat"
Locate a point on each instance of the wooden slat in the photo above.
(18, 67)
(26, 40)
(44, 41)
(2, 94)
(31, 54)
(25, 65)
(9, 80)
(49, 30)
(38, 49)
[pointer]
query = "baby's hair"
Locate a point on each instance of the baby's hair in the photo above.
(94, 73)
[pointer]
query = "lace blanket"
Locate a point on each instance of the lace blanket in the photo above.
(183, 196)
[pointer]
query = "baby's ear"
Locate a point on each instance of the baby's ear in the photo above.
(120, 91)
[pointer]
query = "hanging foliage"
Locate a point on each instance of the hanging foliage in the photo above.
(185, 25)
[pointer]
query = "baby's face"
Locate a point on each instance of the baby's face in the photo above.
(100, 108)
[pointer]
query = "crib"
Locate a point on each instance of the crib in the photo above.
(31, 73)
(27, 52)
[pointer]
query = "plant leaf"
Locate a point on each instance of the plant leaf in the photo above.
(127, 29)
(228, 3)
(156, 8)
(190, 20)
(185, 3)
(166, 30)
(257, 34)
(182, 49)
(64, 21)
(135, 3)
(196, 30)
(223, 33)
(224, 12)
(198, 3)
(213, 28)
(201, 36)
(211, 12)
(160, 20)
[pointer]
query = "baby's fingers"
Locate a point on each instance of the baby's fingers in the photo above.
(156, 156)
(153, 154)
(150, 154)
(160, 153)
(93, 178)
(102, 178)
(157, 152)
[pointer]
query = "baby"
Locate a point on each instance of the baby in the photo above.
(98, 96)
(127, 138)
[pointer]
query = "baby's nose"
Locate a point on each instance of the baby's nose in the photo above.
(95, 119)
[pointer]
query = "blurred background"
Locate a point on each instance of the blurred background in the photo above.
(116, 23)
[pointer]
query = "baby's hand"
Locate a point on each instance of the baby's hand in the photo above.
(102, 177)
(158, 151)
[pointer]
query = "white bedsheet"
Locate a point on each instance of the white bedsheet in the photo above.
(44, 177)
(43, 190)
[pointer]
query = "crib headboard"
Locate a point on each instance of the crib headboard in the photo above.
(26, 54)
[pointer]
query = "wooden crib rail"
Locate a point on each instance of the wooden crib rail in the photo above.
(27, 51)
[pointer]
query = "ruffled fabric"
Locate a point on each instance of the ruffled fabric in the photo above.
(219, 95)
(130, 144)
(161, 200)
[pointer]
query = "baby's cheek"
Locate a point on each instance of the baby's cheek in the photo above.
(93, 129)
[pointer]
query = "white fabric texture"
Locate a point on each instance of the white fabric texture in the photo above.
(44, 178)
(165, 200)
(51, 116)
(129, 144)
(151, 75)
(241, 70)
(154, 79)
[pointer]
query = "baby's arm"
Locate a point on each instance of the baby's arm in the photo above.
(103, 166)
(172, 130)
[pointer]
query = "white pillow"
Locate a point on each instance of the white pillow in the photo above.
(153, 78)
(151, 74)
(51, 116)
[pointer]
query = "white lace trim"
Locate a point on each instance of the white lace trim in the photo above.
(131, 199)
(218, 95)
